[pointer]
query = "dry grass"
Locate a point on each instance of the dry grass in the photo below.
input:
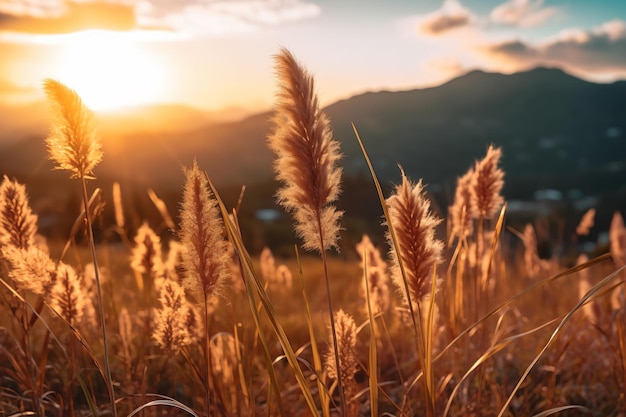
(477, 328)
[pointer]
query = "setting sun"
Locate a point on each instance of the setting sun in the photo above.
(111, 70)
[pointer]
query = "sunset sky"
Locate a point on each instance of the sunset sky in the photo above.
(212, 54)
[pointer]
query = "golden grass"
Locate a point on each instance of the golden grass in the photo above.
(472, 330)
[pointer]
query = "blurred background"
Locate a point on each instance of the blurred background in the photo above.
(428, 84)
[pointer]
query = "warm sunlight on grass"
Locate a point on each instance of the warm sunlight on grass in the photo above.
(111, 70)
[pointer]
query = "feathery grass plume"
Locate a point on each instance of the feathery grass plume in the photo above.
(531, 256)
(376, 276)
(586, 222)
(346, 346)
(147, 255)
(117, 204)
(617, 238)
(462, 210)
(170, 330)
(307, 157)
(31, 269)
(414, 226)
(72, 141)
(18, 224)
(205, 257)
(73, 146)
(486, 185)
(284, 279)
(268, 265)
(66, 297)
(590, 310)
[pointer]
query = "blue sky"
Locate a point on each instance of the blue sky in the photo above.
(215, 53)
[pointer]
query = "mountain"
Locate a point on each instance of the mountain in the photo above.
(552, 127)
(556, 131)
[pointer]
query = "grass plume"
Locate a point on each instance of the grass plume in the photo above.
(307, 157)
(417, 249)
(18, 223)
(72, 141)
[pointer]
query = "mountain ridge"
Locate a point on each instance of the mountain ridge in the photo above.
(547, 121)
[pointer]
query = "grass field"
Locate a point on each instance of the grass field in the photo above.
(447, 317)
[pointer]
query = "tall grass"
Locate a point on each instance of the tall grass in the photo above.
(197, 324)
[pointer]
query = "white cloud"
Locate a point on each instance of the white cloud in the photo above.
(215, 17)
(523, 13)
(33, 8)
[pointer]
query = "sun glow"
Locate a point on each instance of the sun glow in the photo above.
(111, 70)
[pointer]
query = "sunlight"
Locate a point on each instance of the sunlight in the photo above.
(110, 70)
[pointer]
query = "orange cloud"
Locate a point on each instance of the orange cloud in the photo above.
(76, 17)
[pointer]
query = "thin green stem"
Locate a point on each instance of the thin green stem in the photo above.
(92, 246)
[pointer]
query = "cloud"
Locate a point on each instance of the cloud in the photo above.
(522, 13)
(44, 18)
(452, 15)
(601, 49)
(216, 17)
(188, 16)
(33, 8)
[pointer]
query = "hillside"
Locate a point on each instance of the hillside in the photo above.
(556, 131)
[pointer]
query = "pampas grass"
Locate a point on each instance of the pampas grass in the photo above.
(462, 211)
(306, 165)
(445, 351)
(147, 258)
(31, 269)
(307, 157)
(73, 146)
(205, 254)
(72, 141)
(417, 251)
(18, 224)
(172, 331)
(205, 257)
(486, 185)
(374, 285)
(346, 333)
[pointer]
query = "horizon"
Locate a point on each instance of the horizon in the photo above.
(232, 113)
(218, 55)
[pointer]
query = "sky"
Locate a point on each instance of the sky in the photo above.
(215, 54)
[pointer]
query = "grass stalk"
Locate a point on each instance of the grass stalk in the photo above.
(317, 360)
(417, 322)
(555, 333)
(332, 320)
(372, 357)
(254, 286)
(92, 247)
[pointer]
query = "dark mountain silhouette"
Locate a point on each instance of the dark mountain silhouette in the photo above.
(553, 127)
(556, 131)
